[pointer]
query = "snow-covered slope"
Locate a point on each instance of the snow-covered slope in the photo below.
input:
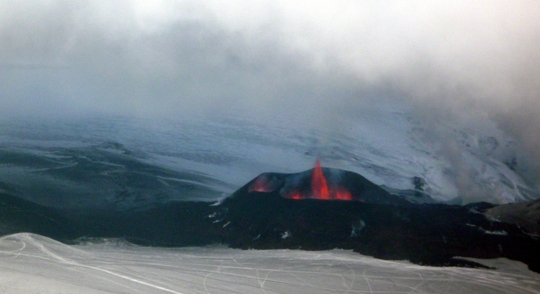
(386, 143)
(458, 162)
(35, 264)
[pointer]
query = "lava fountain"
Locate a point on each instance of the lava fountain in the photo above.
(312, 184)
(320, 189)
(319, 184)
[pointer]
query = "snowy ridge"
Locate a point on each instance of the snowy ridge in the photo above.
(391, 148)
(386, 144)
(35, 264)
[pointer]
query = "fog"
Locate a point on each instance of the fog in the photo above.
(464, 62)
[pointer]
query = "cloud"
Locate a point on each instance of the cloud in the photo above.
(462, 60)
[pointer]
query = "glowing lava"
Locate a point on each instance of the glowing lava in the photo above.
(320, 188)
(304, 185)
(260, 185)
(319, 185)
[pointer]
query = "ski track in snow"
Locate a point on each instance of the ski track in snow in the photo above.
(35, 264)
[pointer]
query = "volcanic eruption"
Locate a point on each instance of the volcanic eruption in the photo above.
(320, 189)
(322, 183)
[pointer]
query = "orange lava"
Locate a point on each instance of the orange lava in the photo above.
(260, 185)
(320, 189)
(341, 194)
(295, 196)
(319, 186)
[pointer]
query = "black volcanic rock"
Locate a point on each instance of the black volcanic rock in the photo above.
(342, 185)
(424, 234)
(525, 215)
(374, 223)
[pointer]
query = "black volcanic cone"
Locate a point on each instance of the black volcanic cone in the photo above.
(376, 224)
(300, 185)
(260, 216)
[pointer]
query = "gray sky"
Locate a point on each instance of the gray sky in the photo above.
(455, 60)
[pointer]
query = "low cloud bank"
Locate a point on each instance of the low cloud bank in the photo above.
(464, 61)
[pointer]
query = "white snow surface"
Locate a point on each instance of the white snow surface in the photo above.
(386, 143)
(35, 264)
